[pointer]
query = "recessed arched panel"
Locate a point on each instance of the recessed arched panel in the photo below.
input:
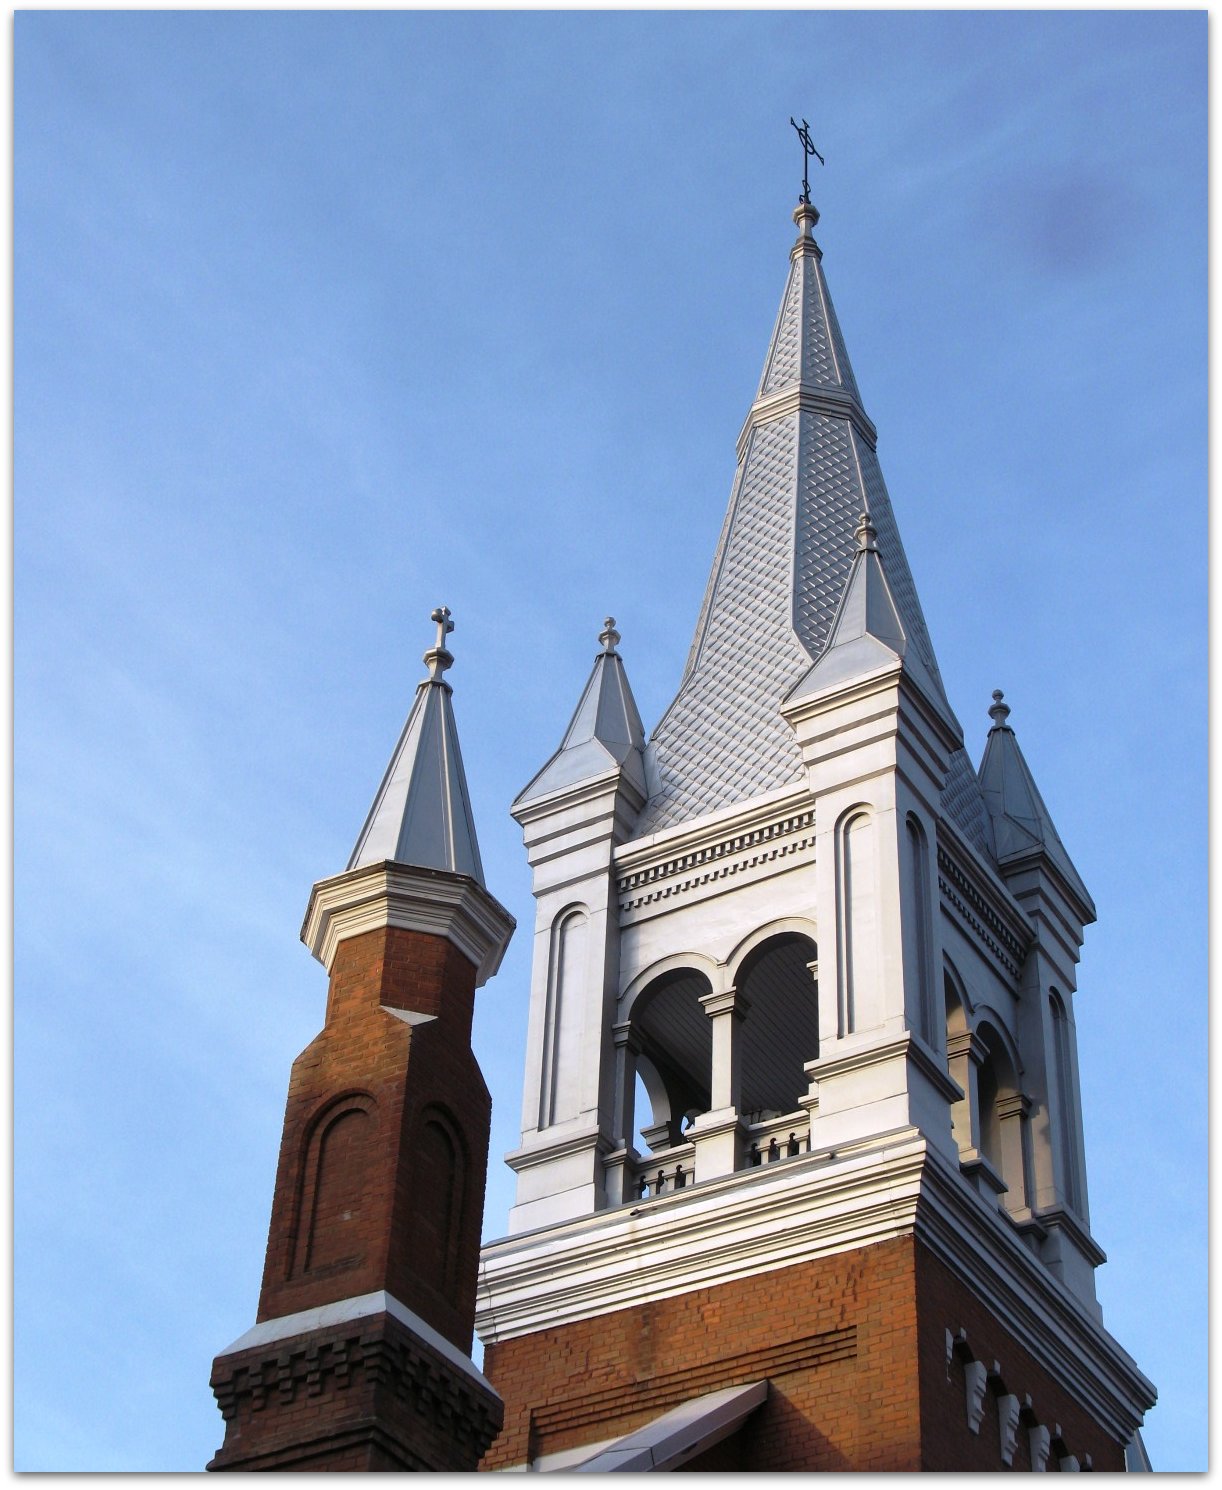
(338, 1161)
(439, 1182)
(922, 931)
(859, 970)
(564, 1018)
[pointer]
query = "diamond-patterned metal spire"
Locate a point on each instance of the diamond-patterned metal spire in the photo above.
(807, 468)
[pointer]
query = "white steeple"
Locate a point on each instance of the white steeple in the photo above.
(806, 468)
(791, 938)
(421, 814)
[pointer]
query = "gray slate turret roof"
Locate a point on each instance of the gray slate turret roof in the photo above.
(421, 814)
(1022, 824)
(604, 733)
(807, 467)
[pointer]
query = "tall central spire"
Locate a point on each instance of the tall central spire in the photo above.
(806, 469)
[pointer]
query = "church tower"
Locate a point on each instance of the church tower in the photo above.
(801, 1183)
(360, 1358)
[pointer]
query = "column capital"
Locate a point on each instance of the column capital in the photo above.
(1015, 1105)
(728, 1001)
(968, 1043)
(625, 1037)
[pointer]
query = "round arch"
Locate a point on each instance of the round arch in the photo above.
(689, 962)
(798, 926)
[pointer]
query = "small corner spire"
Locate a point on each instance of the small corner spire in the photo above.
(999, 711)
(439, 657)
(609, 636)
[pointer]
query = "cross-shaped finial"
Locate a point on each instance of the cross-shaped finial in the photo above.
(808, 149)
(609, 636)
(444, 625)
(439, 656)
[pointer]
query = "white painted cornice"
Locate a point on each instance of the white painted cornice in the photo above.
(435, 901)
(542, 1148)
(887, 689)
(818, 1205)
(749, 1222)
(697, 834)
(1053, 884)
(984, 881)
(598, 794)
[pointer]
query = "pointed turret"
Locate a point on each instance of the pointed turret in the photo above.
(421, 814)
(1022, 825)
(806, 468)
(867, 632)
(605, 732)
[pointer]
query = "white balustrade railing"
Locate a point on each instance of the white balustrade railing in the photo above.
(782, 1137)
(661, 1173)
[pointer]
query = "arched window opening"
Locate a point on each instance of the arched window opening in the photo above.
(1066, 1100)
(675, 1056)
(780, 1032)
(960, 1064)
(1003, 1118)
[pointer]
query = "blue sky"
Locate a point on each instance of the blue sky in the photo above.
(322, 319)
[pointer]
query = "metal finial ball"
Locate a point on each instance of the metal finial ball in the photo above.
(866, 532)
(608, 635)
(999, 710)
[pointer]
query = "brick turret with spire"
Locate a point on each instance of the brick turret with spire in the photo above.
(360, 1356)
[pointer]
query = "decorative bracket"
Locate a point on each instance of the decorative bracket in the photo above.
(975, 1375)
(1007, 1412)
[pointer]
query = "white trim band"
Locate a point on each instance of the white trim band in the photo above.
(345, 1311)
(434, 901)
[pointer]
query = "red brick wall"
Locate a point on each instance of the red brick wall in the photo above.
(944, 1303)
(835, 1337)
(383, 1161)
(380, 1185)
(854, 1348)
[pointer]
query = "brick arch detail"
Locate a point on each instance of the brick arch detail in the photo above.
(335, 1156)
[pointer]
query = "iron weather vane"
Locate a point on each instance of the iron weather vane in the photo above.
(808, 149)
